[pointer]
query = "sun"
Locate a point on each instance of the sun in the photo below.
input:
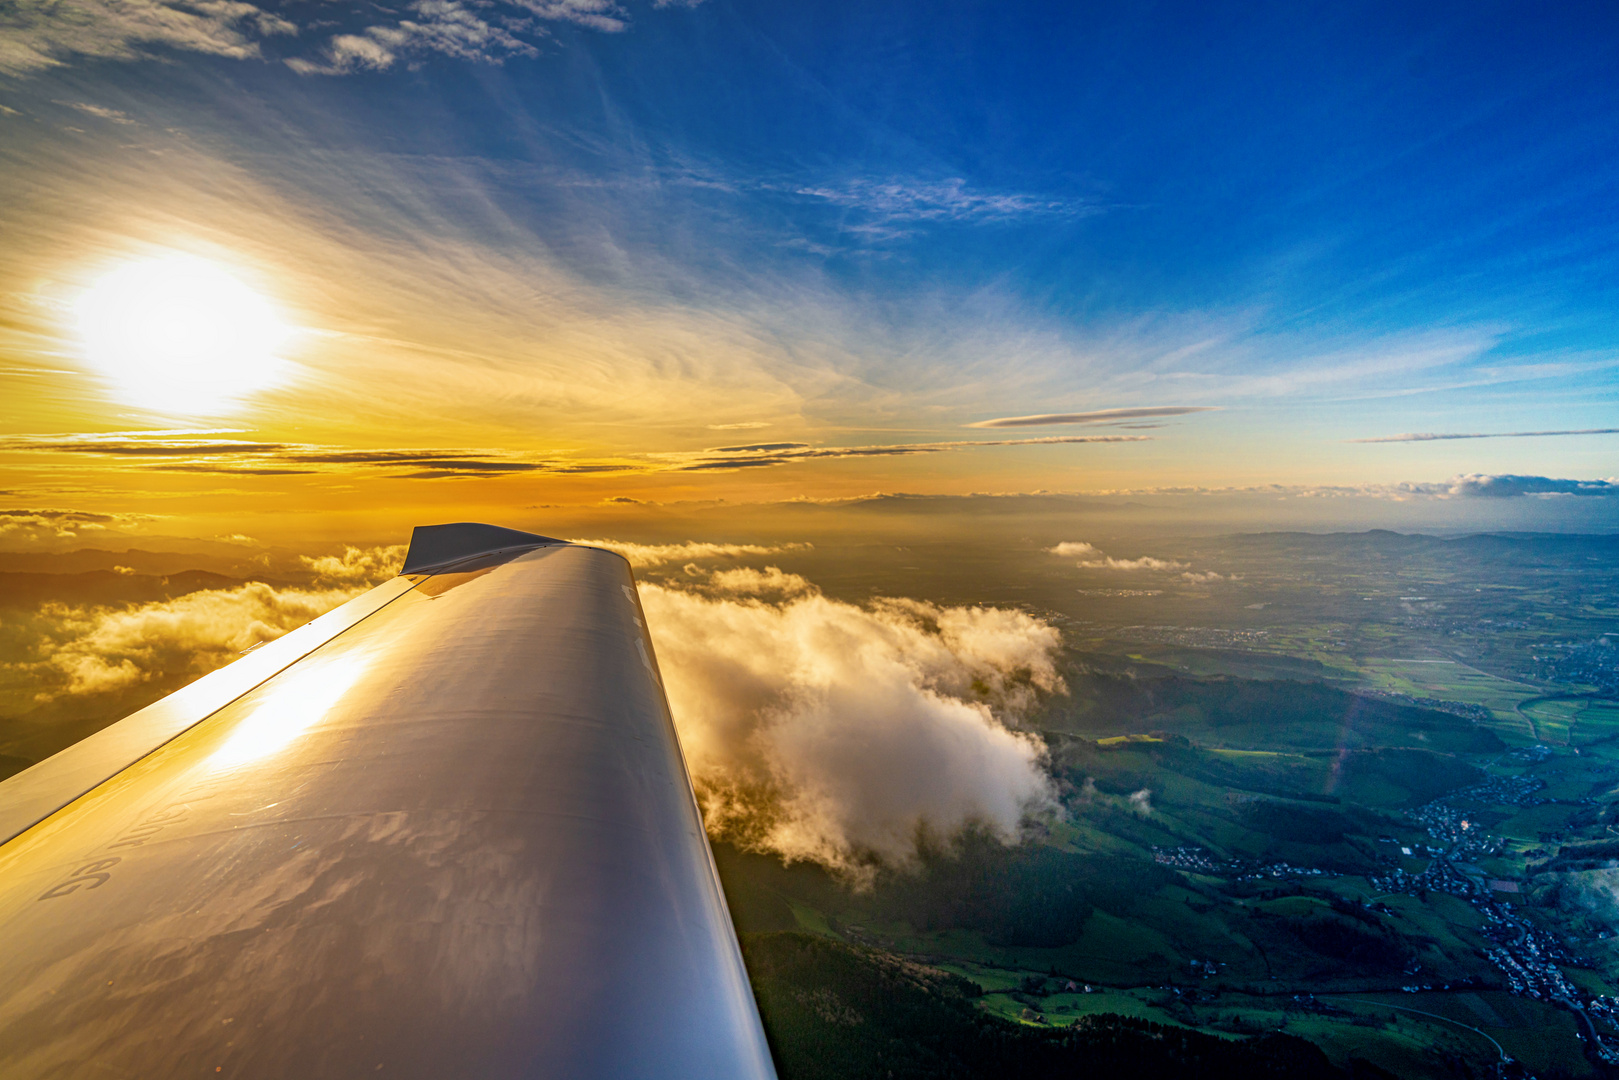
(181, 335)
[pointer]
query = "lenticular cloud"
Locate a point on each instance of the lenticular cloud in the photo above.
(825, 731)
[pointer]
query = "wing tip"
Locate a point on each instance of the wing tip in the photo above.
(437, 545)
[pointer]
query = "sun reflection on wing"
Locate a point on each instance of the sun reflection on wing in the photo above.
(295, 702)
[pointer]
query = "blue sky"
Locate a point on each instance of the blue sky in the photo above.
(858, 225)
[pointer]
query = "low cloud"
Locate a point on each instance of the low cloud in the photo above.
(746, 581)
(357, 566)
(830, 732)
(1146, 562)
(101, 650)
(1141, 802)
(1093, 558)
(29, 528)
(1099, 416)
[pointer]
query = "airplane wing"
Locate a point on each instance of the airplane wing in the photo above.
(443, 831)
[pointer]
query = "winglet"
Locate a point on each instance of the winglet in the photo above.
(434, 545)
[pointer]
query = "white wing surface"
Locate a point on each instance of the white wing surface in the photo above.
(445, 831)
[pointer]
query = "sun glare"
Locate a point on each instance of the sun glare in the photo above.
(182, 335)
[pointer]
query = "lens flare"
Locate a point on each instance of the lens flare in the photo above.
(181, 335)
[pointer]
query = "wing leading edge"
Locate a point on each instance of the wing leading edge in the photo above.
(454, 838)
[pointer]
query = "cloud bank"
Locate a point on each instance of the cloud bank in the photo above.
(830, 732)
(99, 650)
(1480, 485)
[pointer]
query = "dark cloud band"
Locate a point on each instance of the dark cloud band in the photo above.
(228, 457)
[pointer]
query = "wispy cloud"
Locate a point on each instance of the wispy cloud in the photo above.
(251, 458)
(1098, 416)
(901, 199)
(34, 36)
(596, 14)
(441, 26)
(1426, 436)
(766, 454)
(758, 447)
(100, 111)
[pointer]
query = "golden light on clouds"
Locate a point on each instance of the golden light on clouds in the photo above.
(181, 335)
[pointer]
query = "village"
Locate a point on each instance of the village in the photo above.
(1529, 957)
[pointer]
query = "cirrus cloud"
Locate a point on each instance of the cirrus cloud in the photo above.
(1098, 416)
(35, 35)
